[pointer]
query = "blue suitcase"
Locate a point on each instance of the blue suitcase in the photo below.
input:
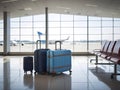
(40, 56)
(28, 64)
(58, 61)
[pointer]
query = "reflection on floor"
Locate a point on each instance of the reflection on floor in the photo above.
(85, 76)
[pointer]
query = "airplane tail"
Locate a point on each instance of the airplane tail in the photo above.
(68, 37)
(39, 34)
(65, 39)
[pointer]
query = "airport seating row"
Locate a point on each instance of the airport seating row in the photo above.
(110, 51)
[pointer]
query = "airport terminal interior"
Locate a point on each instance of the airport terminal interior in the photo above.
(80, 25)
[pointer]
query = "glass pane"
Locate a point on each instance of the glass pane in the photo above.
(54, 24)
(26, 18)
(117, 23)
(39, 17)
(36, 30)
(117, 30)
(66, 17)
(80, 24)
(1, 31)
(26, 24)
(54, 17)
(67, 31)
(53, 31)
(15, 24)
(14, 19)
(42, 37)
(94, 30)
(107, 37)
(15, 38)
(79, 18)
(107, 30)
(107, 23)
(1, 25)
(117, 37)
(67, 24)
(94, 18)
(26, 31)
(117, 19)
(54, 37)
(15, 31)
(39, 24)
(80, 31)
(107, 19)
(95, 38)
(94, 23)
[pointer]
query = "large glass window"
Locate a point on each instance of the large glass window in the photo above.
(82, 33)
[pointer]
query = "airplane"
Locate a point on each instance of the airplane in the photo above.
(12, 43)
(51, 41)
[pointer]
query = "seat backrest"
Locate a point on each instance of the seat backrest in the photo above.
(116, 48)
(103, 45)
(106, 46)
(111, 46)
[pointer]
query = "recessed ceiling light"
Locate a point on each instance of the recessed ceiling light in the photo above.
(7, 1)
(64, 7)
(33, 0)
(27, 9)
(91, 5)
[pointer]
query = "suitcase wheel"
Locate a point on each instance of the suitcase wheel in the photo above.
(35, 72)
(31, 71)
(70, 72)
(26, 72)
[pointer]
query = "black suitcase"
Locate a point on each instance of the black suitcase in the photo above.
(40, 59)
(28, 64)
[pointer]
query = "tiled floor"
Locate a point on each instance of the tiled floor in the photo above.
(85, 76)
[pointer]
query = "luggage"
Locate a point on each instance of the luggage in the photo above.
(40, 56)
(28, 64)
(58, 61)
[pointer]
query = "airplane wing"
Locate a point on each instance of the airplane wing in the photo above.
(51, 41)
(63, 40)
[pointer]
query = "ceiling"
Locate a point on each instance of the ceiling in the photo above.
(104, 8)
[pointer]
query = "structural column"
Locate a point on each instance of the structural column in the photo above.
(6, 17)
(46, 26)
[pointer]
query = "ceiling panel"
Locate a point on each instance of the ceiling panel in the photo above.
(105, 8)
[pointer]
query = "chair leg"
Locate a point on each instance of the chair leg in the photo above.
(115, 72)
(96, 59)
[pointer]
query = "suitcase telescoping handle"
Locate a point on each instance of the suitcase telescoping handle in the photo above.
(38, 42)
(59, 44)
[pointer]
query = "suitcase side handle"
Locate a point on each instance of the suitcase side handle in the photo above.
(60, 42)
(38, 42)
